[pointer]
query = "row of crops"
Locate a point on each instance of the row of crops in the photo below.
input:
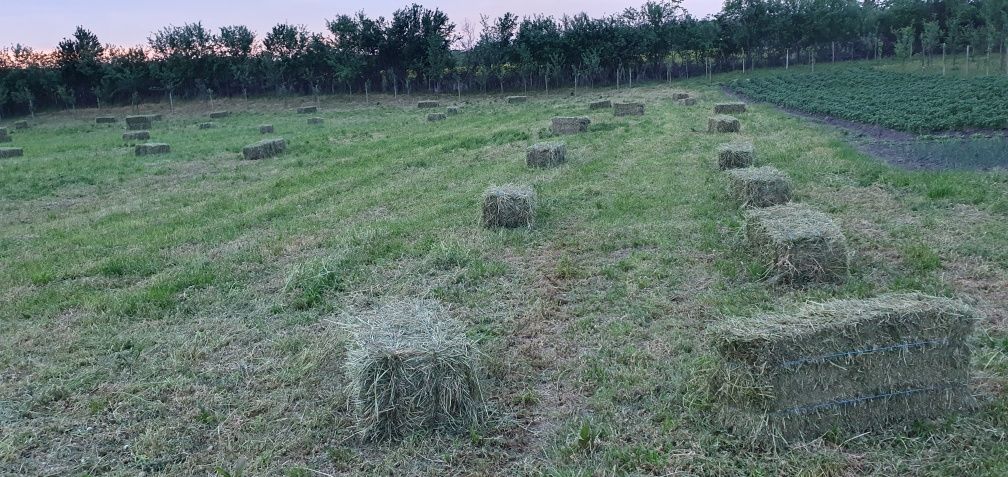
(907, 102)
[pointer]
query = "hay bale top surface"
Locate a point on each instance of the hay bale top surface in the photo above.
(523, 192)
(848, 324)
(764, 173)
(402, 328)
(795, 223)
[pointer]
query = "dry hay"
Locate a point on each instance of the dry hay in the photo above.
(105, 120)
(210, 125)
(848, 365)
(570, 125)
(8, 152)
(628, 109)
(729, 108)
(136, 136)
(517, 99)
(687, 102)
(19, 125)
(410, 369)
(509, 206)
(548, 154)
(316, 121)
(452, 110)
(436, 117)
(677, 95)
(265, 129)
(759, 186)
(138, 123)
(797, 244)
(428, 104)
(152, 148)
(602, 104)
(723, 124)
(5, 135)
(220, 114)
(307, 110)
(264, 149)
(737, 154)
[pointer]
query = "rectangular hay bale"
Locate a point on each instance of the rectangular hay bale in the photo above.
(8, 152)
(432, 117)
(546, 154)
(517, 99)
(452, 110)
(264, 149)
(628, 109)
(105, 120)
(138, 123)
(152, 149)
(509, 206)
(19, 125)
(759, 186)
(428, 104)
(316, 121)
(723, 124)
(736, 154)
(570, 125)
(136, 136)
(210, 125)
(687, 102)
(265, 129)
(220, 114)
(5, 135)
(851, 366)
(677, 95)
(729, 108)
(307, 110)
(797, 244)
(602, 104)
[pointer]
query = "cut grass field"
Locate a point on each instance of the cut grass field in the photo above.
(182, 314)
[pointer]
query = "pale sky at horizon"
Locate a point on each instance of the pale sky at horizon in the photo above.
(41, 24)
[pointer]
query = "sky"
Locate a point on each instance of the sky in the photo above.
(41, 24)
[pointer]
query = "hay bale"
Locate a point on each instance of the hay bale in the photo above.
(20, 125)
(129, 136)
(547, 154)
(729, 108)
(436, 117)
(570, 125)
(723, 124)
(220, 114)
(7, 152)
(759, 186)
(517, 99)
(307, 110)
(677, 95)
(453, 110)
(602, 104)
(264, 149)
(152, 148)
(209, 125)
(266, 129)
(154, 117)
(509, 206)
(138, 123)
(105, 120)
(797, 244)
(316, 121)
(628, 109)
(5, 135)
(848, 365)
(411, 369)
(428, 104)
(736, 154)
(687, 102)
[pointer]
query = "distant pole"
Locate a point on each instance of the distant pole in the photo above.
(967, 60)
(943, 59)
(787, 58)
(833, 47)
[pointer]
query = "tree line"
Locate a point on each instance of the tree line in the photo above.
(422, 50)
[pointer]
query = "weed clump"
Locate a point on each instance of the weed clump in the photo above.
(797, 244)
(570, 125)
(759, 186)
(8, 152)
(729, 108)
(688, 101)
(723, 124)
(546, 154)
(264, 149)
(737, 154)
(509, 206)
(847, 365)
(316, 121)
(411, 369)
(209, 125)
(152, 148)
(628, 109)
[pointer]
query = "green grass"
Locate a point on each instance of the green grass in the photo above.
(179, 314)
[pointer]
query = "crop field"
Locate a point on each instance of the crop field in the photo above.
(903, 101)
(185, 314)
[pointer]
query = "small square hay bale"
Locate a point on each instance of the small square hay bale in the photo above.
(316, 121)
(266, 129)
(677, 95)
(411, 369)
(687, 101)
(436, 117)
(759, 186)
(209, 125)
(509, 206)
(138, 123)
(602, 104)
(129, 136)
(729, 108)
(851, 366)
(736, 154)
(19, 125)
(546, 154)
(6, 152)
(723, 124)
(220, 114)
(517, 99)
(628, 109)
(570, 125)
(4, 135)
(452, 110)
(307, 110)
(105, 120)
(428, 104)
(152, 148)
(264, 149)
(797, 244)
